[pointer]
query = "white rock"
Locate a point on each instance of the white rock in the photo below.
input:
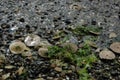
(32, 40)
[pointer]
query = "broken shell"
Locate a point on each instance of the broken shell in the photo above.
(39, 79)
(17, 47)
(32, 40)
(115, 47)
(2, 58)
(20, 70)
(42, 52)
(76, 6)
(44, 43)
(92, 44)
(5, 76)
(106, 54)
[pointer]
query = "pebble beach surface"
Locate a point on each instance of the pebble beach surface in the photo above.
(46, 19)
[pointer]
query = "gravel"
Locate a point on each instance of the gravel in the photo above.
(18, 18)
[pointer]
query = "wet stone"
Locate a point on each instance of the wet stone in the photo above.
(23, 17)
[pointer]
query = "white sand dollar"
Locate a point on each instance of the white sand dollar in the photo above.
(106, 54)
(115, 47)
(17, 47)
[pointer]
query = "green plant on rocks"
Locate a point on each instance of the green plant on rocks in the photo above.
(82, 58)
(83, 74)
(60, 53)
(82, 30)
(84, 51)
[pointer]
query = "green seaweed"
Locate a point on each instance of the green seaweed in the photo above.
(82, 30)
(84, 51)
(83, 58)
(60, 53)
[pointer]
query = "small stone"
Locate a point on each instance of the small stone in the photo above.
(112, 35)
(43, 52)
(2, 58)
(49, 78)
(98, 50)
(56, 79)
(115, 47)
(1, 70)
(56, 37)
(39, 79)
(73, 68)
(27, 54)
(44, 43)
(106, 54)
(14, 28)
(58, 69)
(20, 70)
(17, 47)
(9, 67)
(69, 71)
(32, 40)
(53, 65)
(5, 76)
